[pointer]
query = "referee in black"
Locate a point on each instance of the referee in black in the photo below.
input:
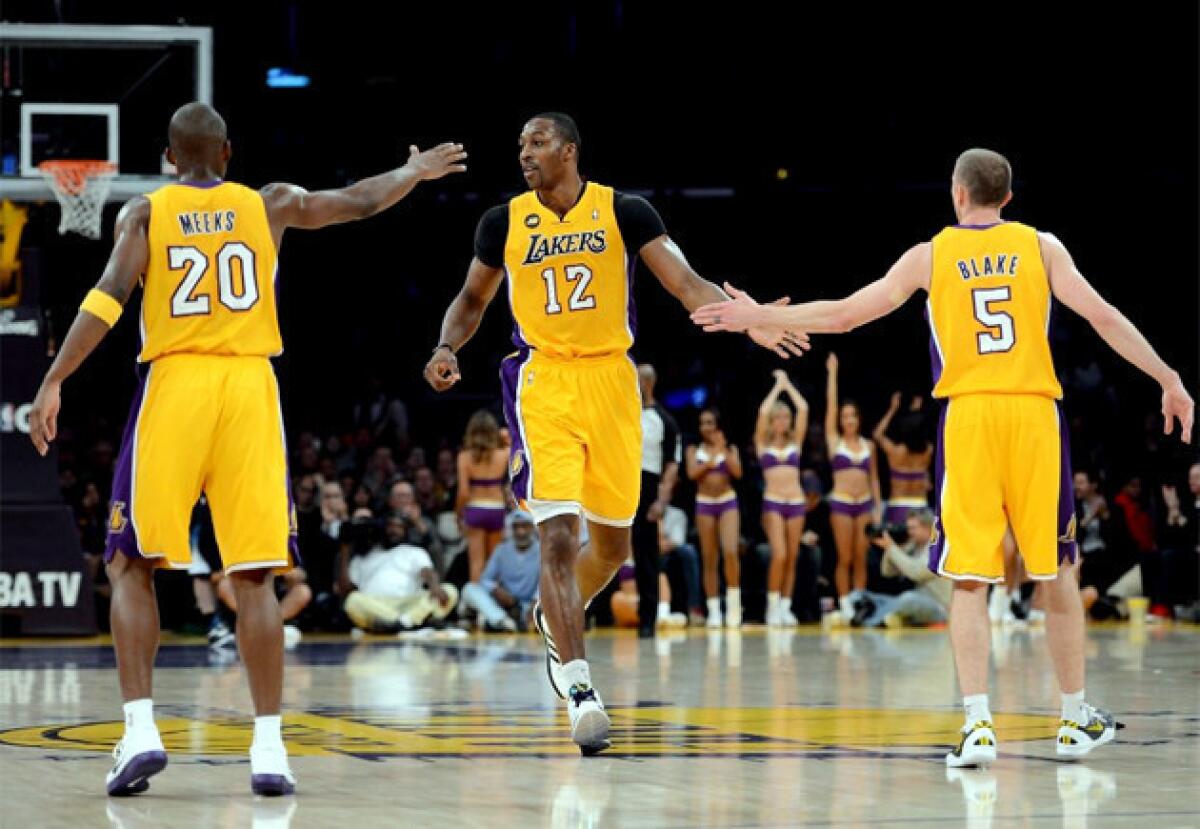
(661, 455)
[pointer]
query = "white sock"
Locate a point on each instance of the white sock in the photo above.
(714, 607)
(1072, 707)
(977, 709)
(664, 610)
(733, 597)
(772, 601)
(576, 673)
(267, 730)
(139, 713)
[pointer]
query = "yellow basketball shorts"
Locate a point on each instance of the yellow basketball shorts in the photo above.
(576, 429)
(211, 424)
(1002, 459)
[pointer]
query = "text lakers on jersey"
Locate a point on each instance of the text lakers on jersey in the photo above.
(989, 311)
(209, 286)
(570, 278)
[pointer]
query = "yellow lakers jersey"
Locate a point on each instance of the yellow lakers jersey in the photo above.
(569, 279)
(209, 286)
(989, 311)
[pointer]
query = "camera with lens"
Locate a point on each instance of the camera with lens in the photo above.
(898, 532)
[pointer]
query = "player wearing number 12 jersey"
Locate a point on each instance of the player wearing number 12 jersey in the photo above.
(1002, 455)
(206, 415)
(572, 402)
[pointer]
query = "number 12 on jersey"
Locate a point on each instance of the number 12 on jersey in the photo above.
(581, 300)
(1000, 336)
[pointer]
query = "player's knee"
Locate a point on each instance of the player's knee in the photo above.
(559, 540)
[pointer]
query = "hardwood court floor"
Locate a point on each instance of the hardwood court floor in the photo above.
(733, 729)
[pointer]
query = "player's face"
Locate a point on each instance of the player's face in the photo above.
(541, 154)
(848, 418)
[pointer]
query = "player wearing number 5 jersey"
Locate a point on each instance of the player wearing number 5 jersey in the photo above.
(568, 248)
(1002, 455)
(206, 415)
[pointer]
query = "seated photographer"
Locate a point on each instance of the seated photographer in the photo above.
(927, 603)
(396, 587)
(509, 583)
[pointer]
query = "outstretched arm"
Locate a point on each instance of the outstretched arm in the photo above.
(291, 206)
(880, 433)
(762, 427)
(878, 299)
(667, 262)
(801, 411)
(126, 264)
(460, 323)
(831, 403)
(1114, 328)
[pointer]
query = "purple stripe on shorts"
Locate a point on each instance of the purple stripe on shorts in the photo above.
(939, 481)
(484, 518)
(121, 534)
(510, 381)
(717, 509)
(1067, 550)
(784, 509)
(837, 507)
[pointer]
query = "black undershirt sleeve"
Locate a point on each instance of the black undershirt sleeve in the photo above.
(491, 235)
(637, 220)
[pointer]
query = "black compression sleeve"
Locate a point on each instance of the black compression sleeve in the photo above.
(491, 236)
(638, 221)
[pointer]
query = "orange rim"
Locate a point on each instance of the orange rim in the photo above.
(71, 175)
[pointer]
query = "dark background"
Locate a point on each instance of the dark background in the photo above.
(865, 109)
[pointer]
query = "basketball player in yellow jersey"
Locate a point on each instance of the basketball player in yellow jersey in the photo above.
(206, 416)
(571, 392)
(1002, 452)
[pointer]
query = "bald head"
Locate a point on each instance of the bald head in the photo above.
(198, 137)
(647, 377)
(986, 175)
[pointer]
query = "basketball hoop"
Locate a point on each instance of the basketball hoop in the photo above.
(81, 187)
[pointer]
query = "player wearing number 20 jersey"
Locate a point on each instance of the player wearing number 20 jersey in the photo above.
(570, 391)
(206, 416)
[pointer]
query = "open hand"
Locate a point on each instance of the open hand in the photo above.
(437, 162)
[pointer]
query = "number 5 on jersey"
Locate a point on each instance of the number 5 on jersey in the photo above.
(185, 302)
(581, 300)
(1000, 336)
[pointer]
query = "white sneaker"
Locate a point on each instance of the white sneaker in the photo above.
(138, 757)
(589, 721)
(998, 605)
(787, 618)
(672, 620)
(1077, 739)
(774, 618)
(733, 618)
(1036, 617)
(977, 747)
(714, 620)
(291, 637)
(270, 774)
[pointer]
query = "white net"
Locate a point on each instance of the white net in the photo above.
(81, 188)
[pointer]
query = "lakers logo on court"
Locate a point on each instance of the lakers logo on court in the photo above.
(454, 730)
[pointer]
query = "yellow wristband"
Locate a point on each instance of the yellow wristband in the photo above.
(103, 306)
